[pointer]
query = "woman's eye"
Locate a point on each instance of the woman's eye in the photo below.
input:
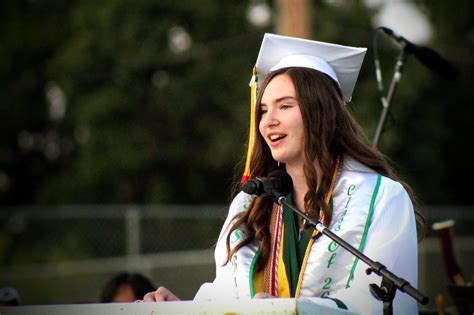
(285, 106)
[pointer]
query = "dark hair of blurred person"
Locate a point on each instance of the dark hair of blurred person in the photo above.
(126, 287)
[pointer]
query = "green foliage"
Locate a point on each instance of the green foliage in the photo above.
(148, 124)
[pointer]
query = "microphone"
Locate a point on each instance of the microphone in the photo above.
(425, 55)
(253, 186)
(278, 183)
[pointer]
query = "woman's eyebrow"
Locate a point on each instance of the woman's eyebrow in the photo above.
(280, 99)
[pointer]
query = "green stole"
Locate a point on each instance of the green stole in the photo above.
(294, 246)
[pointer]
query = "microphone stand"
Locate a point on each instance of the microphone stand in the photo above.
(390, 282)
(397, 75)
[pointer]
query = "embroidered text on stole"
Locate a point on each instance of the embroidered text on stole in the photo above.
(333, 246)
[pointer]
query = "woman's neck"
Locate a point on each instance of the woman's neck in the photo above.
(300, 188)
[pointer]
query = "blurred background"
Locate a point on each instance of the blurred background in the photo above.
(123, 122)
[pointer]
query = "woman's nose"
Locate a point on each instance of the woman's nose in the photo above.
(271, 118)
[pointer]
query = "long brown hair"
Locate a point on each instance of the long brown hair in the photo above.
(330, 131)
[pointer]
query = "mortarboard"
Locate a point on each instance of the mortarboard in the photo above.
(341, 63)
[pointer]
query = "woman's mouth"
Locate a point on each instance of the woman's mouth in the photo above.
(276, 138)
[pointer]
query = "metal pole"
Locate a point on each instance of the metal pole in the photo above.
(386, 101)
(132, 226)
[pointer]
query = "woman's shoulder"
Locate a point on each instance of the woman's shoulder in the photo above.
(240, 203)
(349, 164)
(392, 188)
(351, 167)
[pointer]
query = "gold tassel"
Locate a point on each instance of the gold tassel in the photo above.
(253, 97)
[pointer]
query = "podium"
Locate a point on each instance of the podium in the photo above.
(259, 306)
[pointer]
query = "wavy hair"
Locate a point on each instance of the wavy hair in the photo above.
(330, 132)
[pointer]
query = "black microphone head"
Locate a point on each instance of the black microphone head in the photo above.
(387, 30)
(253, 187)
(435, 62)
(282, 182)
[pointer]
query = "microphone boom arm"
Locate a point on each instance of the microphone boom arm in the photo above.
(390, 282)
(425, 55)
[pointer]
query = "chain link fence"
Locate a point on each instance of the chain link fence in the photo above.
(39, 235)
(66, 254)
(57, 255)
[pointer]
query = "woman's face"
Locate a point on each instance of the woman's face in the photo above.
(281, 123)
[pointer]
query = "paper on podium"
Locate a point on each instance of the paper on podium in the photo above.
(259, 306)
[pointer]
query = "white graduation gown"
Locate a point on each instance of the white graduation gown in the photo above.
(371, 212)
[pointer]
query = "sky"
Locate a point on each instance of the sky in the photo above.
(404, 18)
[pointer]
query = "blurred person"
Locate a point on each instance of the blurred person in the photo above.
(125, 287)
(9, 297)
(305, 128)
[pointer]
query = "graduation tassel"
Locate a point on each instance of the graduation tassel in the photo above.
(253, 96)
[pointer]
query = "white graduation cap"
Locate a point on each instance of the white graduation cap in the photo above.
(341, 63)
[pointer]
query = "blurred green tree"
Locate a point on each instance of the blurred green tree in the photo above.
(147, 101)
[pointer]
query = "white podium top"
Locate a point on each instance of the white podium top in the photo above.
(260, 306)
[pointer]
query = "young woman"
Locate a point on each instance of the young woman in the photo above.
(305, 128)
